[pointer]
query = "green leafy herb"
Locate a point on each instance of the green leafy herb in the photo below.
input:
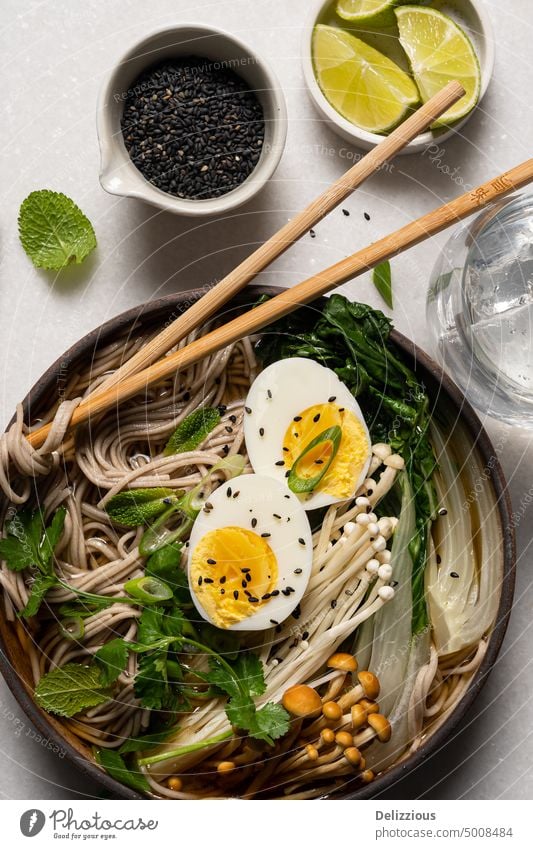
(241, 681)
(164, 564)
(30, 544)
(382, 280)
(53, 230)
(158, 673)
(137, 506)
(83, 608)
(192, 431)
(298, 483)
(115, 765)
(70, 689)
(111, 658)
(40, 586)
(354, 340)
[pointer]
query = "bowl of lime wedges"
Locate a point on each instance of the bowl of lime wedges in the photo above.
(369, 63)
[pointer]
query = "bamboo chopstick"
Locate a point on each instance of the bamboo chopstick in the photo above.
(217, 296)
(257, 318)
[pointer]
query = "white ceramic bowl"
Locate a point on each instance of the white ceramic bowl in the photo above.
(471, 15)
(118, 174)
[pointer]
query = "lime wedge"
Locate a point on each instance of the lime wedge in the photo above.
(374, 12)
(363, 85)
(439, 51)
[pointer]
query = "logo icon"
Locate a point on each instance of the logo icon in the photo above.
(32, 822)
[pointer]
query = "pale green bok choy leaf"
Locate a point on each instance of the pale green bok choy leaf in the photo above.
(463, 583)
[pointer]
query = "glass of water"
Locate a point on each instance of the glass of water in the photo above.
(480, 309)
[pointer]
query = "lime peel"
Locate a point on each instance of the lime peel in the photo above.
(439, 51)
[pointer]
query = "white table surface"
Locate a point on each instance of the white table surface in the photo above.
(54, 55)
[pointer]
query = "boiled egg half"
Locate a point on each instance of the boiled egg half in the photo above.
(250, 554)
(304, 427)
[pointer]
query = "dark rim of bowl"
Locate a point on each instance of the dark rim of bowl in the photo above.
(168, 307)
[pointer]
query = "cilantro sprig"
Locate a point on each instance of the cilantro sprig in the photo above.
(30, 544)
(54, 231)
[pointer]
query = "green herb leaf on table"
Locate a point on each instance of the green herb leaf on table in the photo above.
(111, 658)
(115, 765)
(382, 280)
(135, 507)
(70, 689)
(192, 431)
(54, 231)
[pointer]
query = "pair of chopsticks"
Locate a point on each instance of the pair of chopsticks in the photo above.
(146, 367)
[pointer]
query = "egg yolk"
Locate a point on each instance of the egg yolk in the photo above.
(341, 477)
(233, 572)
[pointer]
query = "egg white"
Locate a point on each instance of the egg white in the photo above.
(264, 499)
(281, 391)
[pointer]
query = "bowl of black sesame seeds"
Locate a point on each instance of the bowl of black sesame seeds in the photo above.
(190, 120)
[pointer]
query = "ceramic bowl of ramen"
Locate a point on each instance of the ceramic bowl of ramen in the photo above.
(341, 662)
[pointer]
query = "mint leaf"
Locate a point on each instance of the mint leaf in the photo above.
(53, 230)
(115, 765)
(39, 588)
(192, 431)
(381, 278)
(136, 506)
(70, 689)
(111, 659)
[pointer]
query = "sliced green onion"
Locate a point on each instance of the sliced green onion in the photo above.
(192, 502)
(148, 590)
(299, 484)
(157, 535)
(72, 628)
